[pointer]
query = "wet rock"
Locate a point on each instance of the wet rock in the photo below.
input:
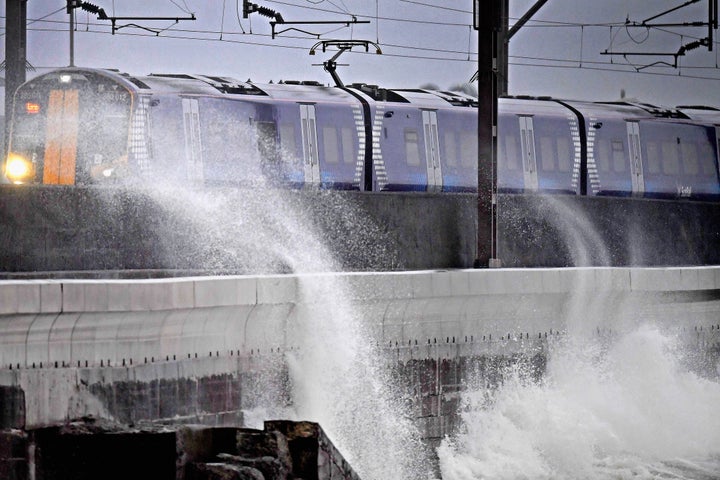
(257, 443)
(224, 471)
(271, 468)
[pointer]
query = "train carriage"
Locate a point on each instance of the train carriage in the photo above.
(538, 147)
(180, 128)
(67, 124)
(429, 141)
(639, 150)
(82, 126)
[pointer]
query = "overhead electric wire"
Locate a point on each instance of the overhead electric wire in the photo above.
(603, 66)
(339, 9)
(370, 16)
(517, 61)
(292, 37)
(575, 25)
(274, 45)
(185, 10)
(31, 21)
(615, 70)
(237, 14)
(308, 7)
(210, 32)
(557, 24)
(224, 33)
(441, 6)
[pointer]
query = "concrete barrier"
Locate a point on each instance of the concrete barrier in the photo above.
(46, 229)
(119, 321)
(164, 348)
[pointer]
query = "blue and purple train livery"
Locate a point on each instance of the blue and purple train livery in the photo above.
(80, 126)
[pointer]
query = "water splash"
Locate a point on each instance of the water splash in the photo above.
(630, 411)
(339, 380)
(607, 407)
(332, 373)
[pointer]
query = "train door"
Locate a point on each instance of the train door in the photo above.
(432, 151)
(310, 152)
(636, 167)
(61, 138)
(193, 144)
(527, 144)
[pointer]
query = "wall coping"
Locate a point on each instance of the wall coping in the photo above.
(73, 295)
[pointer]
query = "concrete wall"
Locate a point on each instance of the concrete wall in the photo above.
(116, 321)
(194, 348)
(51, 229)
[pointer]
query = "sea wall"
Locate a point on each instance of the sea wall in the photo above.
(205, 349)
(144, 232)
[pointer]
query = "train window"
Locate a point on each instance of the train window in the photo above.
(564, 154)
(689, 158)
(412, 149)
(618, 156)
(267, 142)
(602, 156)
(653, 157)
(348, 152)
(511, 153)
(547, 154)
(330, 144)
(468, 149)
(207, 135)
(288, 142)
(450, 149)
(670, 160)
(707, 158)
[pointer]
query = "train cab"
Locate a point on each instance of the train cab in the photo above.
(68, 127)
(89, 126)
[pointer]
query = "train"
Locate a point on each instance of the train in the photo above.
(79, 126)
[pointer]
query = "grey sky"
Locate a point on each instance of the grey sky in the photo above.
(423, 41)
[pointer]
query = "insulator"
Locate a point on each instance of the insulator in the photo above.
(270, 13)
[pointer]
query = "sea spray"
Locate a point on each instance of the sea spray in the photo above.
(332, 372)
(339, 380)
(628, 409)
(617, 399)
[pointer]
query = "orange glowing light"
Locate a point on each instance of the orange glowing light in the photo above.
(31, 107)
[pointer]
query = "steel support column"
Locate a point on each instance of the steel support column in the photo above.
(15, 56)
(489, 25)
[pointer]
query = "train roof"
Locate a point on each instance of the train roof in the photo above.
(702, 113)
(312, 91)
(518, 105)
(213, 85)
(613, 109)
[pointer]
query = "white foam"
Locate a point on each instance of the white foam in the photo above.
(631, 410)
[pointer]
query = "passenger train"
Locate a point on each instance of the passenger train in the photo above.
(93, 126)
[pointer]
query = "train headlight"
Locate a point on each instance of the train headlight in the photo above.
(18, 169)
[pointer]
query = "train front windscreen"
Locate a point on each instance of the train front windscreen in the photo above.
(69, 128)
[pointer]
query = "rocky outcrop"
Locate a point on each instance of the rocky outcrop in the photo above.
(283, 450)
(92, 448)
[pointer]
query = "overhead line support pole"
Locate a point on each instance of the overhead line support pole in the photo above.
(72, 34)
(15, 56)
(525, 18)
(488, 23)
